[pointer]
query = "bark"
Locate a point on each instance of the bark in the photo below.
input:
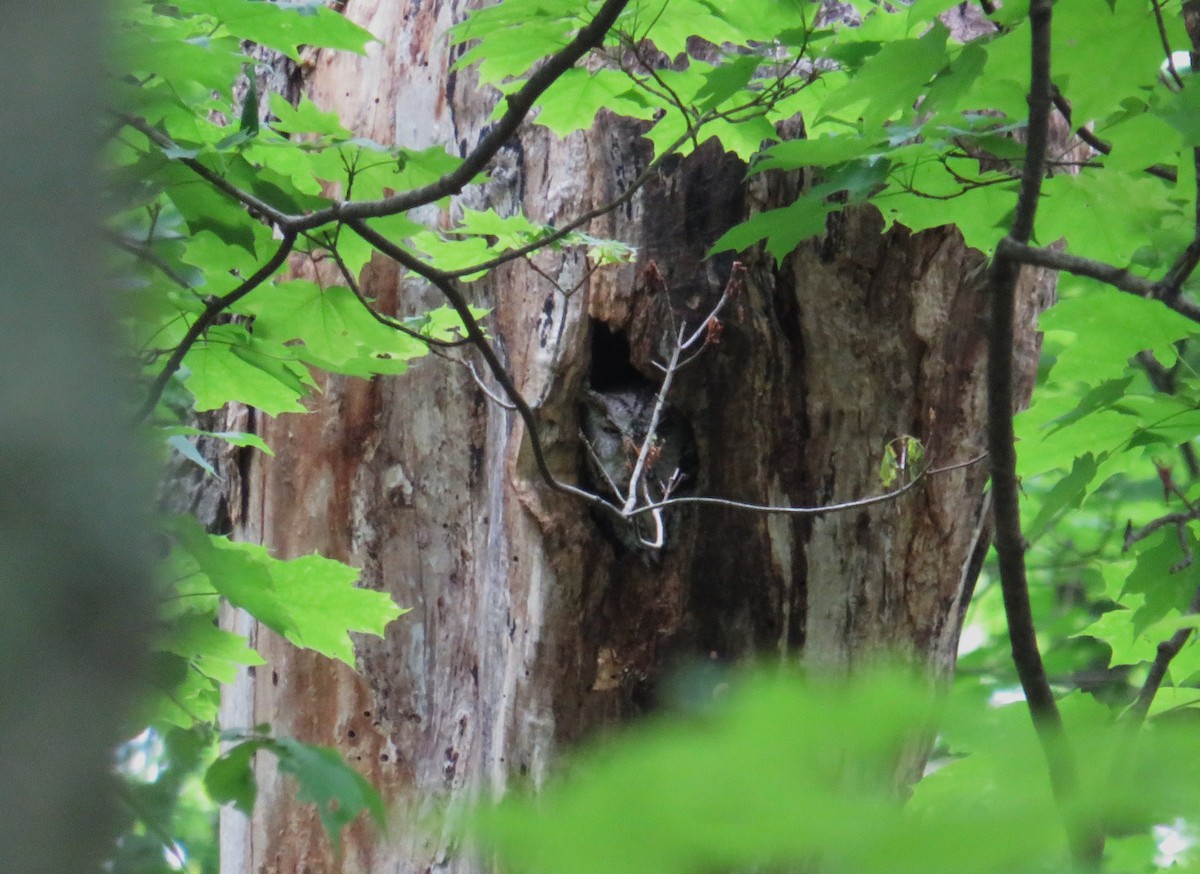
(533, 623)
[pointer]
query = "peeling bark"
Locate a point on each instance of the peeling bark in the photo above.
(531, 626)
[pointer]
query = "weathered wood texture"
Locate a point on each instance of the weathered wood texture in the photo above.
(530, 626)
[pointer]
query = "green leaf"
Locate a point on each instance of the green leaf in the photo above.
(230, 779)
(722, 82)
(1181, 111)
(783, 228)
(322, 605)
(1107, 216)
(213, 652)
(339, 793)
(1110, 327)
(249, 120)
(889, 82)
(312, 601)
(1103, 52)
(304, 118)
(1067, 494)
(331, 323)
(283, 26)
(230, 365)
(572, 102)
(821, 152)
(188, 450)
(233, 438)
(1155, 577)
(513, 36)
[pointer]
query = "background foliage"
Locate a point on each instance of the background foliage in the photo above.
(238, 273)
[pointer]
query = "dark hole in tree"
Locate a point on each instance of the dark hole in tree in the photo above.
(611, 368)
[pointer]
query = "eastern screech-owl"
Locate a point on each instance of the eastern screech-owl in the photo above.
(614, 424)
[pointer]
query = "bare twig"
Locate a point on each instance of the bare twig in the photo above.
(787, 510)
(1133, 535)
(483, 386)
(660, 403)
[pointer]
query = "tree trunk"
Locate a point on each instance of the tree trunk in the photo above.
(533, 620)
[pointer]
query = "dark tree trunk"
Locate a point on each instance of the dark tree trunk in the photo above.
(533, 622)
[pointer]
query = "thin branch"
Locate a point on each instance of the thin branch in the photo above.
(734, 285)
(659, 526)
(519, 104)
(1061, 103)
(1166, 43)
(567, 295)
(1133, 535)
(216, 180)
(806, 511)
(1117, 277)
(580, 220)
(386, 321)
(483, 387)
(212, 309)
(1185, 264)
(1164, 654)
(595, 456)
(445, 284)
(1087, 843)
(145, 253)
(660, 404)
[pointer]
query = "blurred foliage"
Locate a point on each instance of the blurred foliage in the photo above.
(786, 773)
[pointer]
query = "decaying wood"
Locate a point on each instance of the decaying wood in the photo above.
(531, 625)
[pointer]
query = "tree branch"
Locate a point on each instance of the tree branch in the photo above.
(212, 309)
(386, 321)
(1165, 652)
(519, 104)
(445, 284)
(788, 510)
(1061, 103)
(1087, 843)
(216, 180)
(1117, 277)
(145, 253)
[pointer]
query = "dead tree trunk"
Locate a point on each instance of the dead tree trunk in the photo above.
(532, 621)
